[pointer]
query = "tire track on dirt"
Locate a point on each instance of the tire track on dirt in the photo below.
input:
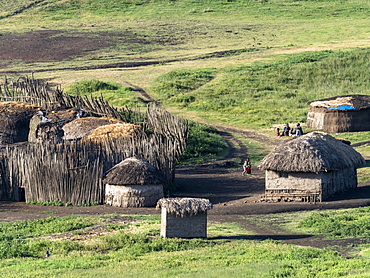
(23, 9)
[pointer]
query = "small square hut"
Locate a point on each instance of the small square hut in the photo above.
(184, 217)
(311, 168)
(133, 183)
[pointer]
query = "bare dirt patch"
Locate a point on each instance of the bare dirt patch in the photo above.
(56, 46)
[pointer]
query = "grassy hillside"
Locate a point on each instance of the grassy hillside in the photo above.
(264, 94)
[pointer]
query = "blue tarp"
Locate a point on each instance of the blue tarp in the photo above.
(342, 107)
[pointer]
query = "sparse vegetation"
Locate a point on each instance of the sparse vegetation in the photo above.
(340, 223)
(134, 247)
(264, 94)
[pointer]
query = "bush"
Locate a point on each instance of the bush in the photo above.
(204, 144)
(91, 86)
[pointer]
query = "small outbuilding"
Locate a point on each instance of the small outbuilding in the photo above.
(184, 217)
(346, 113)
(311, 168)
(133, 183)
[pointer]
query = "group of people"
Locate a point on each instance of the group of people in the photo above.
(288, 131)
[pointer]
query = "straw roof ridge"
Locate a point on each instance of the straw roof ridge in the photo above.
(81, 127)
(134, 171)
(359, 102)
(184, 206)
(313, 153)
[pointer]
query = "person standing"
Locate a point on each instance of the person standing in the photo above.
(247, 167)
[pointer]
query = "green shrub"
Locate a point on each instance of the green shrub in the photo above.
(91, 86)
(204, 144)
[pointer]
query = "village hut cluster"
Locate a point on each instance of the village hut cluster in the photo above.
(54, 146)
(310, 168)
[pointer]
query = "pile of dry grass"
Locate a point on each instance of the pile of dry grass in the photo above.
(63, 115)
(81, 127)
(14, 107)
(113, 131)
(184, 206)
(332, 102)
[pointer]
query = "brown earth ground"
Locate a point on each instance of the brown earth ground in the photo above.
(236, 198)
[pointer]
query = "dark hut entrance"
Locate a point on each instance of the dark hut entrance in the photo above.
(14, 121)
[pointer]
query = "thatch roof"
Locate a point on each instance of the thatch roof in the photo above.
(14, 107)
(184, 206)
(358, 102)
(80, 127)
(133, 171)
(314, 152)
(116, 130)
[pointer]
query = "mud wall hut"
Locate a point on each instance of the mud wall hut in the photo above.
(184, 217)
(310, 168)
(340, 114)
(133, 183)
(14, 121)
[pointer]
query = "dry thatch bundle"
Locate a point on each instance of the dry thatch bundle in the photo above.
(133, 171)
(184, 206)
(15, 107)
(358, 102)
(80, 127)
(313, 153)
(113, 131)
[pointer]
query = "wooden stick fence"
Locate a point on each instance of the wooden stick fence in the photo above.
(73, 171)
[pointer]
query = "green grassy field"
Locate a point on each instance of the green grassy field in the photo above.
(134, 248)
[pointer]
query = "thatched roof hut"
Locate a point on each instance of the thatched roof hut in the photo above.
(340, 114)
(315, 163)
(133, 183)
(184, 217)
